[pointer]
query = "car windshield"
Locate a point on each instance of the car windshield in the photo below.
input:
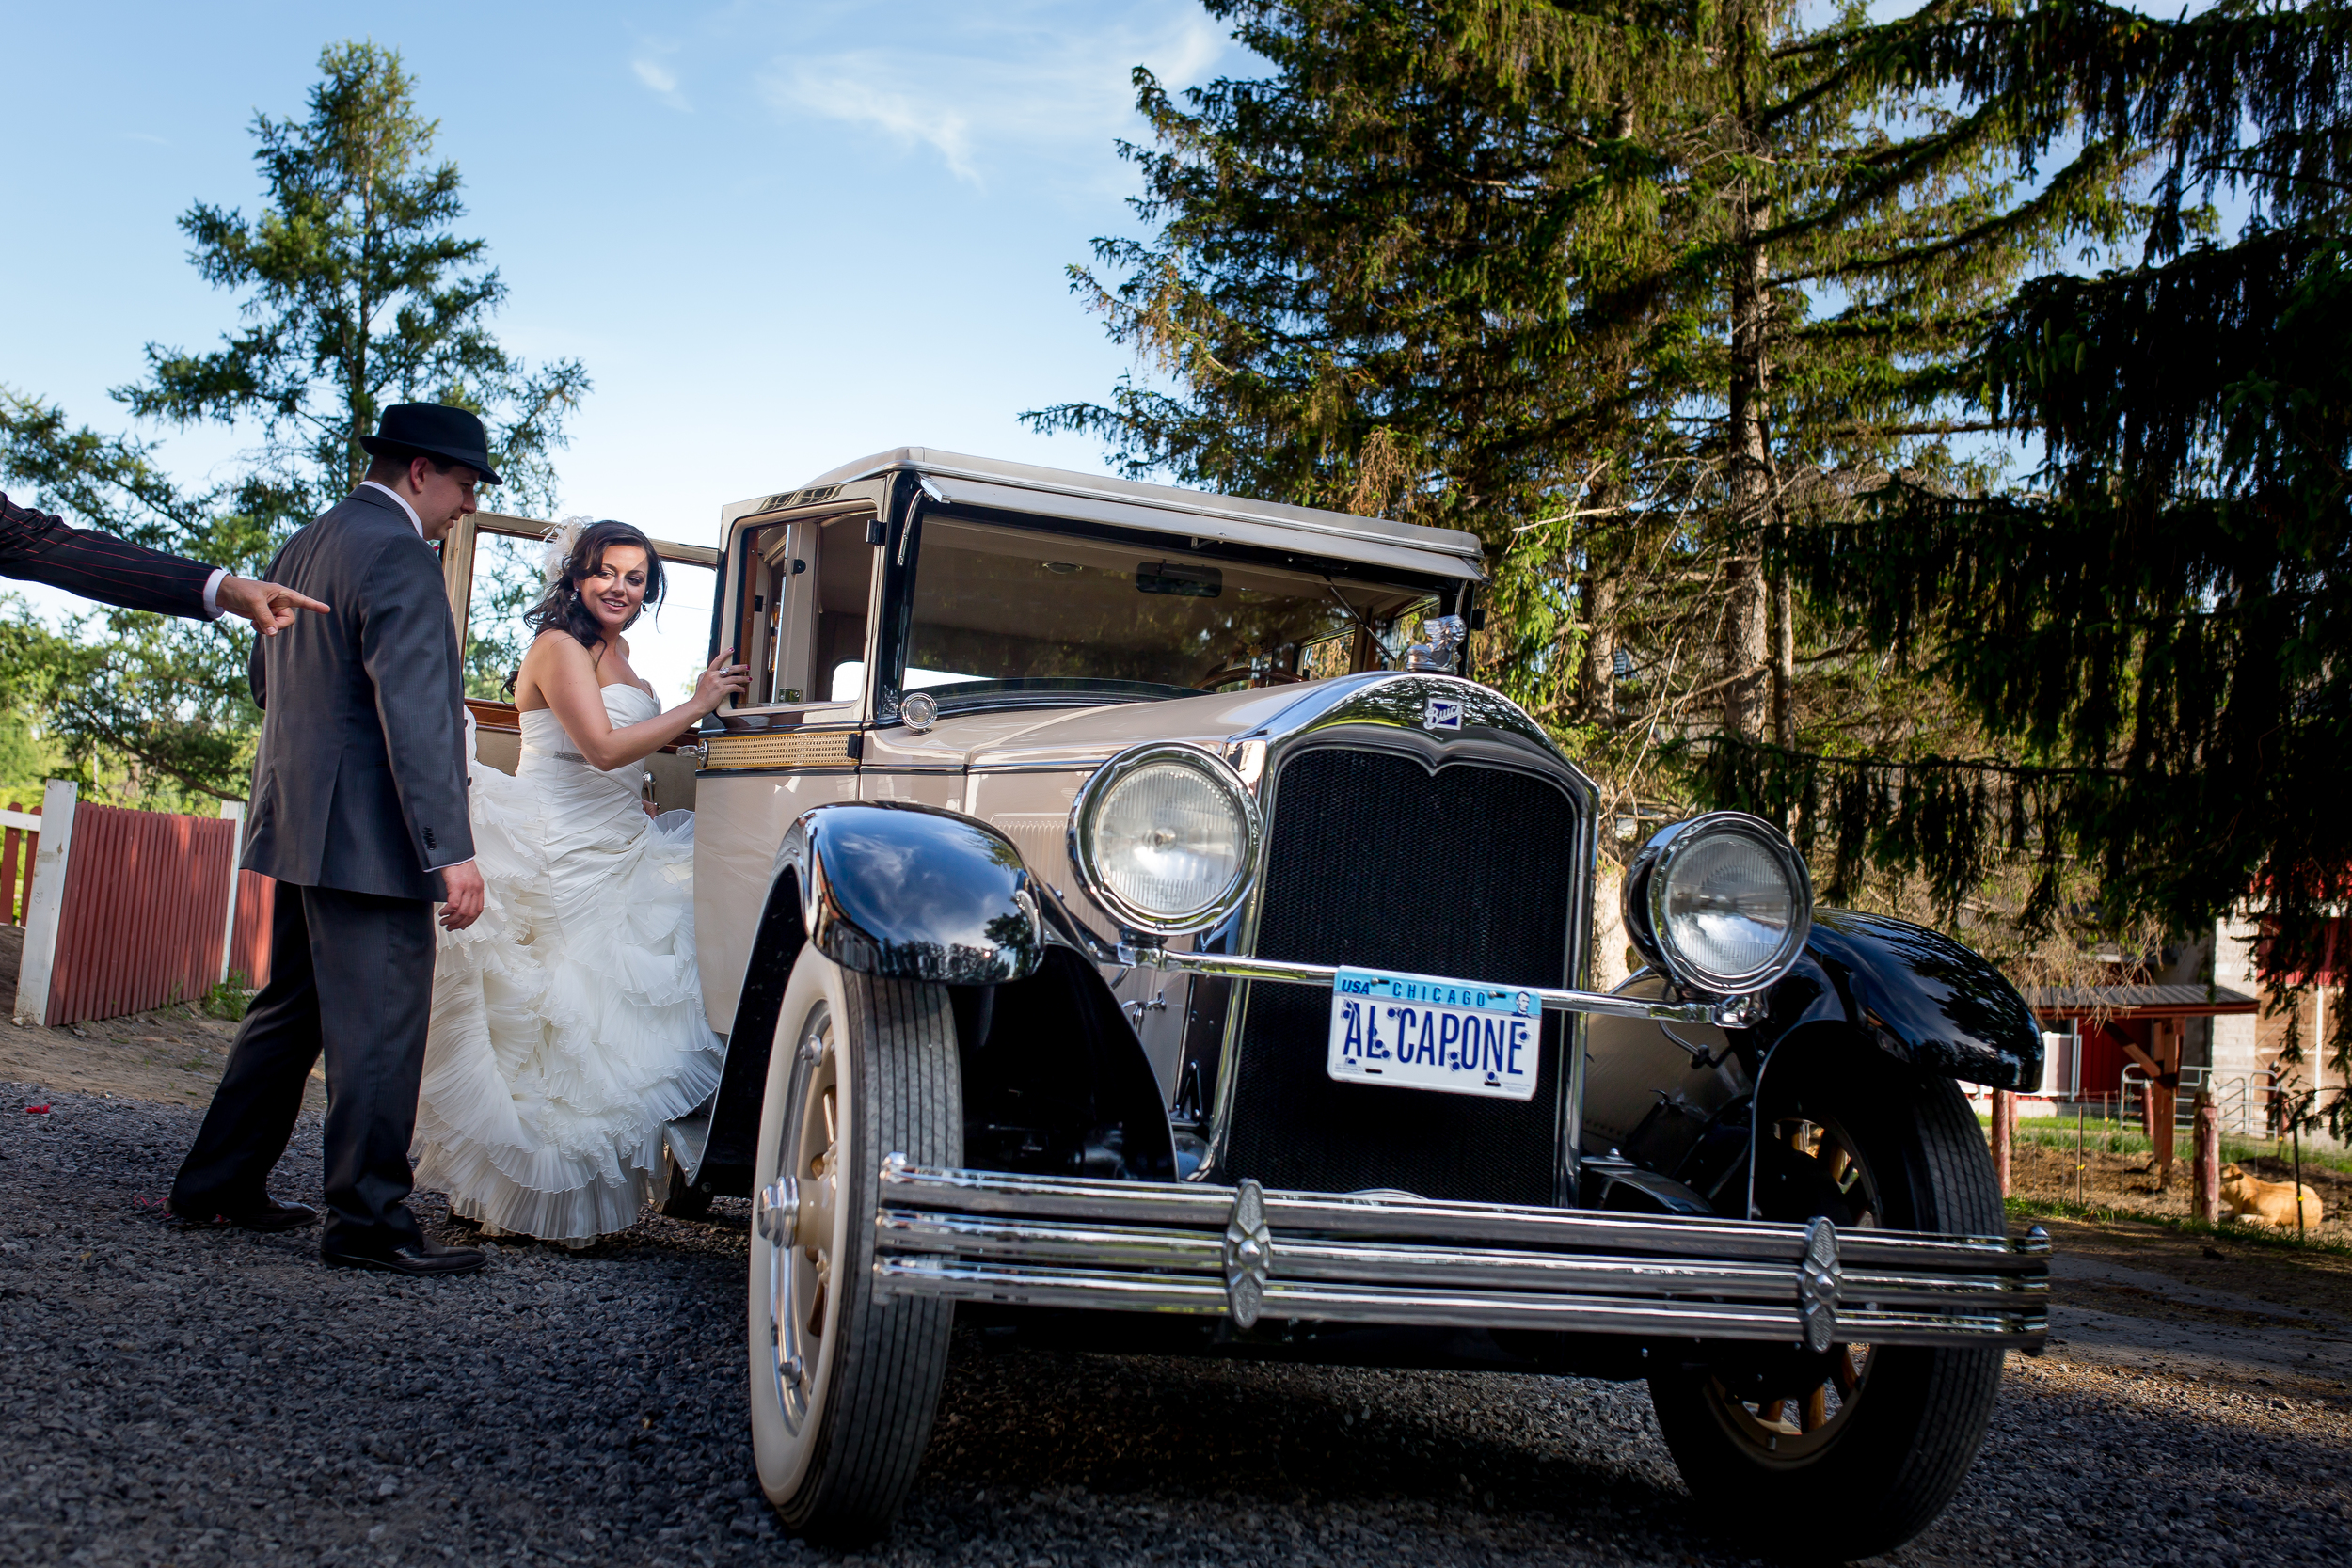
(1002, 609)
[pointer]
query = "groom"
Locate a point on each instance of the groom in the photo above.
(359, 812)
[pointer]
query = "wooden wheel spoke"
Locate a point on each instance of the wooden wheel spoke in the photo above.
(1769, 1412)
(1838, 1160)
(1816, 1412)
(1843, 1373)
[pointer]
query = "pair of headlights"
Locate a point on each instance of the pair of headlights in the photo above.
(1165, 837)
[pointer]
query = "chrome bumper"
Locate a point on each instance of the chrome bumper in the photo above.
(1246, 1254)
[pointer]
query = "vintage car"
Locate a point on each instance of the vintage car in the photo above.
(1126, 927)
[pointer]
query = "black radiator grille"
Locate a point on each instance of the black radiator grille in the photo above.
(1375, 862)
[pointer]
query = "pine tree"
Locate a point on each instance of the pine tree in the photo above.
(1407, 275)
(1620, 288)
(357, 294)
(2154, 634)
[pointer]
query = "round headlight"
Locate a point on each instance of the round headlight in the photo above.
(1722, 903)
(1165, 837)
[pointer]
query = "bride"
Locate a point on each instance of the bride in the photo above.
(567, 1021)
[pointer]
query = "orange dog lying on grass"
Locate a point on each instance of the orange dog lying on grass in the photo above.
(2249, 1197)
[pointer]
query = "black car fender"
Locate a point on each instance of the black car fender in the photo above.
(911, 893)
(1915, 994)
(907, 892)
(1676, 1100)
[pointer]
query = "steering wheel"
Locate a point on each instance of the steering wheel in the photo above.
(1257, 678)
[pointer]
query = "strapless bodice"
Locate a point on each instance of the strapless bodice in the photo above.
(544, 734)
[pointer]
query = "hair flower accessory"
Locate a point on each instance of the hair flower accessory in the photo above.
(560, 539)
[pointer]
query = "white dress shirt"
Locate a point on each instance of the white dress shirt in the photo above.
(409, 512)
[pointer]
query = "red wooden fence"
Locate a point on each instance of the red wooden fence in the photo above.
(141, 922)
(248, 955)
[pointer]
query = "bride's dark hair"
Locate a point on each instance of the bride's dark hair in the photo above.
(561, 609)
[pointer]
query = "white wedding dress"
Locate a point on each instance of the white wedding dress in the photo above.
(567, 1021)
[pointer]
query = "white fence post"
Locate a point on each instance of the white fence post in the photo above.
(233, 811)
(47, 905)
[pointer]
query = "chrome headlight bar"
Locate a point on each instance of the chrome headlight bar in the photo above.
(1063, 926)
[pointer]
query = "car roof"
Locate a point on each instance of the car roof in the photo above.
(992, 482)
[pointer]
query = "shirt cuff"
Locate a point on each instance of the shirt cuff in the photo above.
(211, 593)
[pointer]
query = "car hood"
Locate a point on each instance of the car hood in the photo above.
(1079, 737)
(1483, 719)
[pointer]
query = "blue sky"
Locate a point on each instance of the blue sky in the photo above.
(779, 235)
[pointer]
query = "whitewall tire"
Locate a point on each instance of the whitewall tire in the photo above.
(843, 1386)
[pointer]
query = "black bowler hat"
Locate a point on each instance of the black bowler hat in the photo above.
(436, 430)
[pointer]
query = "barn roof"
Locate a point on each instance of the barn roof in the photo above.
(2186, 1001)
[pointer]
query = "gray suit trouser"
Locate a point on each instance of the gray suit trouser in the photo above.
(350, 977)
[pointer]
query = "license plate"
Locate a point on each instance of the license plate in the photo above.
(1414, 1032)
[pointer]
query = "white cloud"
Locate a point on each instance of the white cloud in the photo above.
(662, 81)
(844, 86)
(1002, 84)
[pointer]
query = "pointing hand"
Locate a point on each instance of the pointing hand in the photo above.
(268, 604)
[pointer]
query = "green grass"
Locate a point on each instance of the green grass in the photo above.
(2257, 1235)
(2126, 1138)
(230, 998)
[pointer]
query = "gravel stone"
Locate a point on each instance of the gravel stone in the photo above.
(199, 1397)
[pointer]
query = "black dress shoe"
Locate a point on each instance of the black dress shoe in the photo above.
(270, 1215)
(417, 1257)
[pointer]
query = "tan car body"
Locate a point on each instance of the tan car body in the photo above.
(955, 1084)
(766, 761)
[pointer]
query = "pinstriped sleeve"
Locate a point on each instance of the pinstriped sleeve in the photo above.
(38, 547)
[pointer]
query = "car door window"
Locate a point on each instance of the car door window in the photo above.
(506, 582)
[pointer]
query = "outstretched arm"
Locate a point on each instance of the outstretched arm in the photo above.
(566, 674)
(35, 546)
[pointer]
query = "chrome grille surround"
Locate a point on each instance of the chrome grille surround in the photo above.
(1384, 712)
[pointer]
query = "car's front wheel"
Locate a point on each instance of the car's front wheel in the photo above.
(844, 1387)
(1851, 1452)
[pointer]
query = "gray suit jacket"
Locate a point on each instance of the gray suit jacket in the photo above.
(361, 781)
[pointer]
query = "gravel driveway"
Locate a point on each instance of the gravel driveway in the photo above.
(217, 1398)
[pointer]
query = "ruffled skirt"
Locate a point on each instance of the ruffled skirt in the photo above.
(567, 1021)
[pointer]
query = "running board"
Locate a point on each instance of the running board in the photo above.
(1246, 1254)
(687, 1137)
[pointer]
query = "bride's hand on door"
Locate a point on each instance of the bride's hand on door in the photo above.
(722, 680)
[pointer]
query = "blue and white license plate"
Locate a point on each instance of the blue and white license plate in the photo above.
(1415, 1032)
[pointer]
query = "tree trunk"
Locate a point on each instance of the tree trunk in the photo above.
(1784, 664)
(1743, 668)
(1602, 565)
